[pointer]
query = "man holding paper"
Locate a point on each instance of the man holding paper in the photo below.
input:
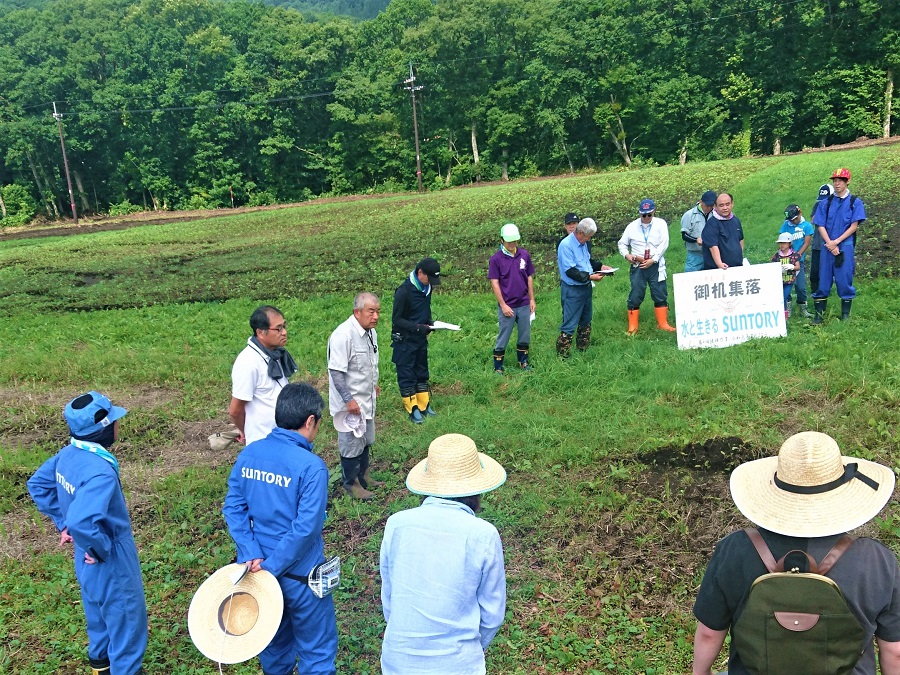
(643, 244)
(410, 325)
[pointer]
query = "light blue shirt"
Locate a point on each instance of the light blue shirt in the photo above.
(572, 253)
(443, 590)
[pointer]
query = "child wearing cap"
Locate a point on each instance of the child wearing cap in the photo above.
(790, 265)
(801, 231)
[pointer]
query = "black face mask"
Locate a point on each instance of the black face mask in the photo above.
(105, 437)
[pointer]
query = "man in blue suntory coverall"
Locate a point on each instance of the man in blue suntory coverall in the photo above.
(79, 489)
(275, 511)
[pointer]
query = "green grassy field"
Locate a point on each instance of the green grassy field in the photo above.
(617, 458)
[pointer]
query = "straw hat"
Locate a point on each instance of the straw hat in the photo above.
(345, 421)
(455, 468)
(229, 622)
(809, 489)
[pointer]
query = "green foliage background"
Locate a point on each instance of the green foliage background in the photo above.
(205, 104)
(605, 533)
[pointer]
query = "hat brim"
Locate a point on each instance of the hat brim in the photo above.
(340, 424)
(492, 476)
(433, 280)
(837, 511)
(207, 631)
(116, 413)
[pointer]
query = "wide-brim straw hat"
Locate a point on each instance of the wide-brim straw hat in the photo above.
(229, 622)
(809, 489)
(455, 468)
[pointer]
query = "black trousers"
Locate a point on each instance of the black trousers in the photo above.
(411, 359)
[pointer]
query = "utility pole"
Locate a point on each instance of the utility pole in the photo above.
(411, 86)
(58, 117)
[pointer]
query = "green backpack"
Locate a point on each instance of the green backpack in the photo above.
(797, 622)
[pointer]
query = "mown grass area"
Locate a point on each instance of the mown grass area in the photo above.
(617, 459)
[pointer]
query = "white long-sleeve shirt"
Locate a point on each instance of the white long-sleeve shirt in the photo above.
(443, 590)
(636, 239)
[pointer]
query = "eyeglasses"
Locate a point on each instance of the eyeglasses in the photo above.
(646, 215)
(279, 329)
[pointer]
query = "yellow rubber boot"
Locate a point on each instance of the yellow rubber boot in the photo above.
(409, 402)
(633, 317)
(423, 399)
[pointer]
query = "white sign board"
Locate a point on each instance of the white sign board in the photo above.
(718, 308)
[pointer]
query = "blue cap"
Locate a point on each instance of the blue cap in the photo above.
(647, 206)
(826, 191)
(709, 198)
(90, 413)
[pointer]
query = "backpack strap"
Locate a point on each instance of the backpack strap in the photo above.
(835, 553)
(762, 549)
(816, 568)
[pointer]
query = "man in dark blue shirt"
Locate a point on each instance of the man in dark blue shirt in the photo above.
(723, 236)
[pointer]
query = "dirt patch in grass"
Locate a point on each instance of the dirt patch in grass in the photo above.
(716, 455)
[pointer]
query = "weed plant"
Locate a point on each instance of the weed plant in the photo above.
(609, 512)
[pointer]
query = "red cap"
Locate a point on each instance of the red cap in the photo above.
(841, 173)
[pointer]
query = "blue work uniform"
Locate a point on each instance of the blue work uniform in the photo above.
(836, 215)
(80, 492)
(275, 509)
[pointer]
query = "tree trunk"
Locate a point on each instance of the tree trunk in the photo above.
(475, 154)
(587, 155)
(452, 150)
(888, 97)
(568, 157)
(37, 182)
(505, 175)
(682, 156)
(52, 194)
(2, 206)
(85, 205)
(619, 138)
(776, 147)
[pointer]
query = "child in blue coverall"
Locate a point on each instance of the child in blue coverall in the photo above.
(79, 489)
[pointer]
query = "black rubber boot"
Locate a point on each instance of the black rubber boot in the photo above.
(522, 356)
(845, 309)
(498, 360)
(564, 345)
(99, 666)
(583, 338)
(820, 311)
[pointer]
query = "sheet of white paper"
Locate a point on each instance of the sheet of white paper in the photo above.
(437, 325)
(610, 270)
(533, 316)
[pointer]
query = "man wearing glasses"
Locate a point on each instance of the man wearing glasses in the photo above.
(643, 244)
(259, 374)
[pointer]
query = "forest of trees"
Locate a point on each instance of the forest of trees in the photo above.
(204, 103)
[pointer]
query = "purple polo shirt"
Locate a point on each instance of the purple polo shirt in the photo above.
(512, 272)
